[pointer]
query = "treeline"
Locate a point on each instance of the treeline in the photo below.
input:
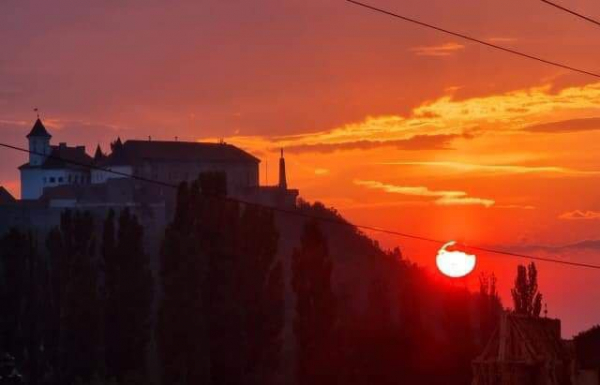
(233, 306)
(80, 308)
(221, 316)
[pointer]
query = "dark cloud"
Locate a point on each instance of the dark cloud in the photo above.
(571, 125)
(585, 245)
(418, 142)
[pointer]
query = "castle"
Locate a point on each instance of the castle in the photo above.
(61, 176)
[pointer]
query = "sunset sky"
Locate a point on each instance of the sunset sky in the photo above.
(394, 125)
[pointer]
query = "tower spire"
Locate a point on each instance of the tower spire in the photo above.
(282, 175)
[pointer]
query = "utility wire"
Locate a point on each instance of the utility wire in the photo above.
(298, 213)
(473, 39)
(571, 12)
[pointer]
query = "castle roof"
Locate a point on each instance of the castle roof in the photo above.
(39, 130)
(138, 151)
(6, 197)
(63, 156)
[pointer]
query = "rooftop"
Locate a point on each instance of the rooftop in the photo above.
(39, 130)
(63, 156)
(137, 151)
(6, 197)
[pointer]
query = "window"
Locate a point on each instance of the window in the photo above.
(60, 179)
(52, 179)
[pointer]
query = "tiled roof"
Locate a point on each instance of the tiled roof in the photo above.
(39, 130)
(137, 151)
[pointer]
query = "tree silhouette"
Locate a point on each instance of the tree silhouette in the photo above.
(526, 298)
(182, 323)
(129, 292)
(259, 277)
(23, 304)
(75, 270)
(490, 306)
(221, 317)
(315, 318)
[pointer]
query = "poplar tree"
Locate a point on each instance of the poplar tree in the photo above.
(129, 296)
(261, 294)
(72, 249)
(527, 299)
(315, 319)
(182, 330)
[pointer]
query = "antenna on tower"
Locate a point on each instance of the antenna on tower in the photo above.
(37, 112)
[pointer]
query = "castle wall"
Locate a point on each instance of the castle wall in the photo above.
(100, 176)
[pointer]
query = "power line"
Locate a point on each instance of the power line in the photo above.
(335, 221)
(473, 39)
(571, 12)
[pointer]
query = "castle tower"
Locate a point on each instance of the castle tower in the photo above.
(39, 144)
(282, 176)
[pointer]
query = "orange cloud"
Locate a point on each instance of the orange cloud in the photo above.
(443, 197)
(435, 124)
(580, 215)
(446, 49)
(414, 143)
(497, 169)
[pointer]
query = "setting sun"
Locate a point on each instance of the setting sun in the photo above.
(454, 263)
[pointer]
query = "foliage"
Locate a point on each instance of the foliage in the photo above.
(490, 306)
(129, 291)
(526, 298)
(76, 330)
(314, 325)
(221, 316)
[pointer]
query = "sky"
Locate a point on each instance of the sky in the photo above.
(394, 125)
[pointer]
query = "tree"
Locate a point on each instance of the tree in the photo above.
(221, 316)
(183, 331)
(259, 288)
(77, 309)
(129, 291)
(315, 319)
(23, 303)
(180, 307)
(490, 306)
(526, 298)
(15, 248)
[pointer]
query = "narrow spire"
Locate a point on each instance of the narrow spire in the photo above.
(282, 175)
(39, 129)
